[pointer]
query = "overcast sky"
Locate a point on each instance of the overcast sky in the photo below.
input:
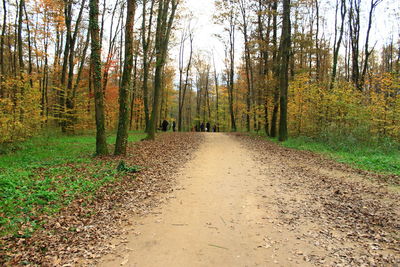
(383, 28)
(204, 30)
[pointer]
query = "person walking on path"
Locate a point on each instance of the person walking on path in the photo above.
(202, 127)
(165, 125)
(208, 127)
(174, 126)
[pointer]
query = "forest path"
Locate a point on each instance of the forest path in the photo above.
(244, 201)
(218, 216)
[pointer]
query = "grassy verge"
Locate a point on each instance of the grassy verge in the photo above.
(380, 157)
(47, 173)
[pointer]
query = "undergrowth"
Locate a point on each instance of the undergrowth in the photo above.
(377, 154)
(45, 174)
(381, 159)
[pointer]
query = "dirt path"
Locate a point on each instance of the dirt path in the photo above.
(223, 214)
(237, 200)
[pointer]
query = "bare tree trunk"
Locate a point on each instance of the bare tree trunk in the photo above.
(13, 56)
(21, 67)
(134, 88)
(183, 87)
(146, 38)
(217, 96)
(397, 67)
(101, 142)
(111, 44)
(30, 68)
(231, 70)
(249, 71)
(3, 33)
(20, 43)
(263, 65)
(317, 50)
(354, 34)
(103, 19)
(124, 94)
(81, 66)
(166, 15)
(207, 95)
(284, 52)
(69, 100)
(338, 41)
(367, 52)
(198, 100)
(275, 66)
(62, 92)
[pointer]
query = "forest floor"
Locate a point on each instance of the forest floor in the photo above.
(218, 199)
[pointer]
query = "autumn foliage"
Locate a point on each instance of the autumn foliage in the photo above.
(20, 111)
(314, 109)
(49, 83)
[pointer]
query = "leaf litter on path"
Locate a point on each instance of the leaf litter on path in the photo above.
(350, 213)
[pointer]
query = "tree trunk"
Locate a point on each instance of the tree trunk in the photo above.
(354, 25)
(69, 100)
(20, 43)
(183, 87)
(30, 67)
(146, 37)
(263, 64)
(232, 71)
(124, 95)
(134, 88)
(275, 67)
(3, 33)
(101, 142)
(249, 72)
(217, 96)
(81, 65)
(111, 44)
(317, 50)
(367, 52)
(338, 41)
(284, 52)
(166, 15)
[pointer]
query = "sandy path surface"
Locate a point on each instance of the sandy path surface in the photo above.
(218, 216)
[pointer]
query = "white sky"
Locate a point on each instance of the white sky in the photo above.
(204, 30)
(384, 26)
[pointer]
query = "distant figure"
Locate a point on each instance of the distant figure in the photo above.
(202, 127)
(215, 128)
(165, 125)
(208, 127)
(174, 126)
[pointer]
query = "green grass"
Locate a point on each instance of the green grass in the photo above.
(45, 174)
(381, 156)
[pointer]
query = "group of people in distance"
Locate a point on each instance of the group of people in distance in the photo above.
(205, 128)
(165, 126)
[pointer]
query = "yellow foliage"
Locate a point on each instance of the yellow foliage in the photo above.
(20, 111)
(384, 107)
(314, 108)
